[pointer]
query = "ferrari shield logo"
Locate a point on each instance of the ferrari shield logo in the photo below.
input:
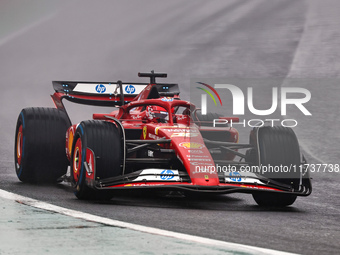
(144, 132)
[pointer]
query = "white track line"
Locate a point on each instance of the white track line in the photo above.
(115, 223)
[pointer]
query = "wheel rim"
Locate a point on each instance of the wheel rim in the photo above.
(77, 158)
(19, 145)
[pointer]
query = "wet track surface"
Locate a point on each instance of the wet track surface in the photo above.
(110, 40)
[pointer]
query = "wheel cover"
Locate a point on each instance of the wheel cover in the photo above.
(19, 145)
(77, 159)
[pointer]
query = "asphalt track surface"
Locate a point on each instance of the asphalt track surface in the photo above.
(111, 40)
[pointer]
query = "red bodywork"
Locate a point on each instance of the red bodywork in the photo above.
(185, 133)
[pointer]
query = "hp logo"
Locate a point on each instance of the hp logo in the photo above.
(235, 176)
(167, 175)
(130, 89)
(100, 88)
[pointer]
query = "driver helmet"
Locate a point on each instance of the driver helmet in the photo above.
(154, 111)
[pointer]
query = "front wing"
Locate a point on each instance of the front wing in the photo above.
(174, 180)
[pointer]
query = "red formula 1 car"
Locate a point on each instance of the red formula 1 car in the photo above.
(155, 141)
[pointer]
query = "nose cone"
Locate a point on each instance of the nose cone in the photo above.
(191, 150)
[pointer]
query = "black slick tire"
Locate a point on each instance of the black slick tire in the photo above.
(39, 151)
(279, 147)
(104, 139)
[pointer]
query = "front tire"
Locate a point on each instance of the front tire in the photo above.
(39, 151)
(278, 146)
(104, 140)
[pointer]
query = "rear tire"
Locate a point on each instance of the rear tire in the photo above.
(104, 139)
(278, 146)
(39, 151)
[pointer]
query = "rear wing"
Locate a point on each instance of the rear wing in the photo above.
(98, 93)
(112, 93)
(106, 93)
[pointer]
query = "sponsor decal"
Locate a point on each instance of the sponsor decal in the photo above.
(153, 174)
(188, 134)
(145, 131)
(196, 151)
(191, 145)
(182, 117)
(167, 175)
(199, 159)
(167, 99)
(196, 163)
(100, 88)
(105, 88)
(197, 156)
(141, 185)
(201, 163)
(176, 130)
(235, 176)
(255, 187)
(152, 136)
(136, 117)
(130, 89)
